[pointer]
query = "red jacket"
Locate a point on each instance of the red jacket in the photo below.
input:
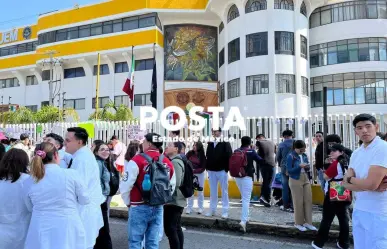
(134, 173)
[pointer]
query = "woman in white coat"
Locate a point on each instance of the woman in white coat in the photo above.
(53, 195)
(14, 215)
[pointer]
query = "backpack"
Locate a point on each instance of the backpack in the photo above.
(237, 164)
(187, 187)
(161, 189)
(114, 180)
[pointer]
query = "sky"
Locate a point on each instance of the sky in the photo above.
(13, 15)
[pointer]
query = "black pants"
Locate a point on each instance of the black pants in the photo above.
(330, 210)
(257, 172)
(104, 241)
(267, 173)
(172, 226)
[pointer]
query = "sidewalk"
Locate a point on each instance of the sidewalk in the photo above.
(262, 220)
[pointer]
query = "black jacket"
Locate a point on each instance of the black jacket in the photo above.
(218, 157)
(319, 156)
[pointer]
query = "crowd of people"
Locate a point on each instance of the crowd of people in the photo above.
(58, 194)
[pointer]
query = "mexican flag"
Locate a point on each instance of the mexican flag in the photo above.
(129, 83)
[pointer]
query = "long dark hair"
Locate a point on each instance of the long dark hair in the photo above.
(13, 164)
(98, 146)
(132, 150)
(200, 151)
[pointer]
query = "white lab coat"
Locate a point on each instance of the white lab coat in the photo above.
(14, 215)
(85, 164)
(65, 158)
(54, 200)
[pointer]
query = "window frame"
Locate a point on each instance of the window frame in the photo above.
(145, 99)
(262, 39)
(255, 5)
(280, 43)
(236, 47)
(285, 87)
(254, 84)
(284, 4)
(304, 47)
(233, 13)
(236, 92)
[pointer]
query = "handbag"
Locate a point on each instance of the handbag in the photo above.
(114, 182)
(337, 192)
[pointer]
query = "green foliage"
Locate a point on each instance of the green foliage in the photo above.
(22, 115)
(112, 113)
(47, 114)
(123, 113)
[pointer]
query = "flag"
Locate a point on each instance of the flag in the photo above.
(129, 83)
(153, 96)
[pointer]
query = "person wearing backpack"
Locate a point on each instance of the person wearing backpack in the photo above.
(218, 156)
(242, 169)
(147, 184)
(174, 209)
(334, 206)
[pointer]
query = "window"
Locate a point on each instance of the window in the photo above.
(304, 47)
(221, 57)
(8, 83)
(285, 83)
(103, 69)
(74, 72)
(222, 95)
(31, 80)
(77, 104)
(303, 9)
(146, 64)
(351, 50)
(33, 108)
(46, 75)
(100, 28)
(284, 4)
(121, 100)
(233, 89)
(18, 49)
(284, 42)
(350, 88)
(256, 44)
(255, 5)
(233, 51)
(102, 101)
(232, 13)
(257, 84)
(304, 86)
(346, 11)
(45, 103)
(221, 27)
(121, 67)
(142, 99)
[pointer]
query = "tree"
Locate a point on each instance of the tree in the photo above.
(22, 115)
(52, 114)
(111, 113)
(123, 113)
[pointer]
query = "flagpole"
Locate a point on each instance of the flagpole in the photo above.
(131, 100)
(97, 87)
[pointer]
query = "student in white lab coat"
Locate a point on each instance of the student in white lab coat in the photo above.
(85, 164)
(58, 141)
(53, 195)
(14, 215)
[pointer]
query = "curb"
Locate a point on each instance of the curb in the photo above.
(233, 226)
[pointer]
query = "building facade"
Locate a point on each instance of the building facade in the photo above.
(271, 58)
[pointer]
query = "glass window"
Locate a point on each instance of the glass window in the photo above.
(142, 99)
(323, 56)
(121, 100)
(255, 5)
(315, 20)
(233, 51)
(303, 9)
(342, 54)
(107, 27)
(33, 108)
(332, 55)
(353, 50)
(121, 67)
(349, 92)
(359, 91)
(374, 51)
(221, 58)
(314, 60)
(149, 64)
(285, 83)
(140, 65)
(257, 84)
(382, 12)
(304, 86)
(361, 10)
(130, 23)
(147, 21)
(31, 80)
(221, 27)
(61, 35)
(284, 4)
(256, 44)
(4, 51)
(304, 47)
(326, 17)
(233, 88)
(84, 31)
(104, 69)
(364, 52)
(232, 13)
(102, 102)
(337, 14)
(382, 51)
(72, 33)
(284, 42)
(79, 104)
(222, 94)
(372, 11)
(96, 29)
(117, 25)
(338, 92)
(349, 12)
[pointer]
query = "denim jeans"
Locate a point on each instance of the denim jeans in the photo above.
(320, 175)
(144, 221)
(286, 197)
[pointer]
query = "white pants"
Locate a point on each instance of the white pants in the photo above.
(369, 230)
(245, 186)
(200, 193)
(216, 177)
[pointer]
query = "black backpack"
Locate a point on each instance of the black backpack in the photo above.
(161, 189)
(190, 182)
(114, 182)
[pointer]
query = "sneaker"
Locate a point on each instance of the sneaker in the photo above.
(224, 216)
(210, 214)
(310, 227)
(282, 208)
(188, 211)
(183, 228)
(243, 226)
(339, 246)
(200, 211)
(314, 246)
(264, 202)
(301, 228)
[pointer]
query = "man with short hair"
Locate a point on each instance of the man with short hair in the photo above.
(266, 150)
(218, 156)
(58, 141)
(119, 151)
(319, 157)
(284, 149)
(367, 169)
(85, 164)
(144, 220)
(23, 144)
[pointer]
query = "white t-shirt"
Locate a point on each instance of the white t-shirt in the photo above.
(361, 160)
(120, 151)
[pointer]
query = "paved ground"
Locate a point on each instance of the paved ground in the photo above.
(214, 239)
(258, 212)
